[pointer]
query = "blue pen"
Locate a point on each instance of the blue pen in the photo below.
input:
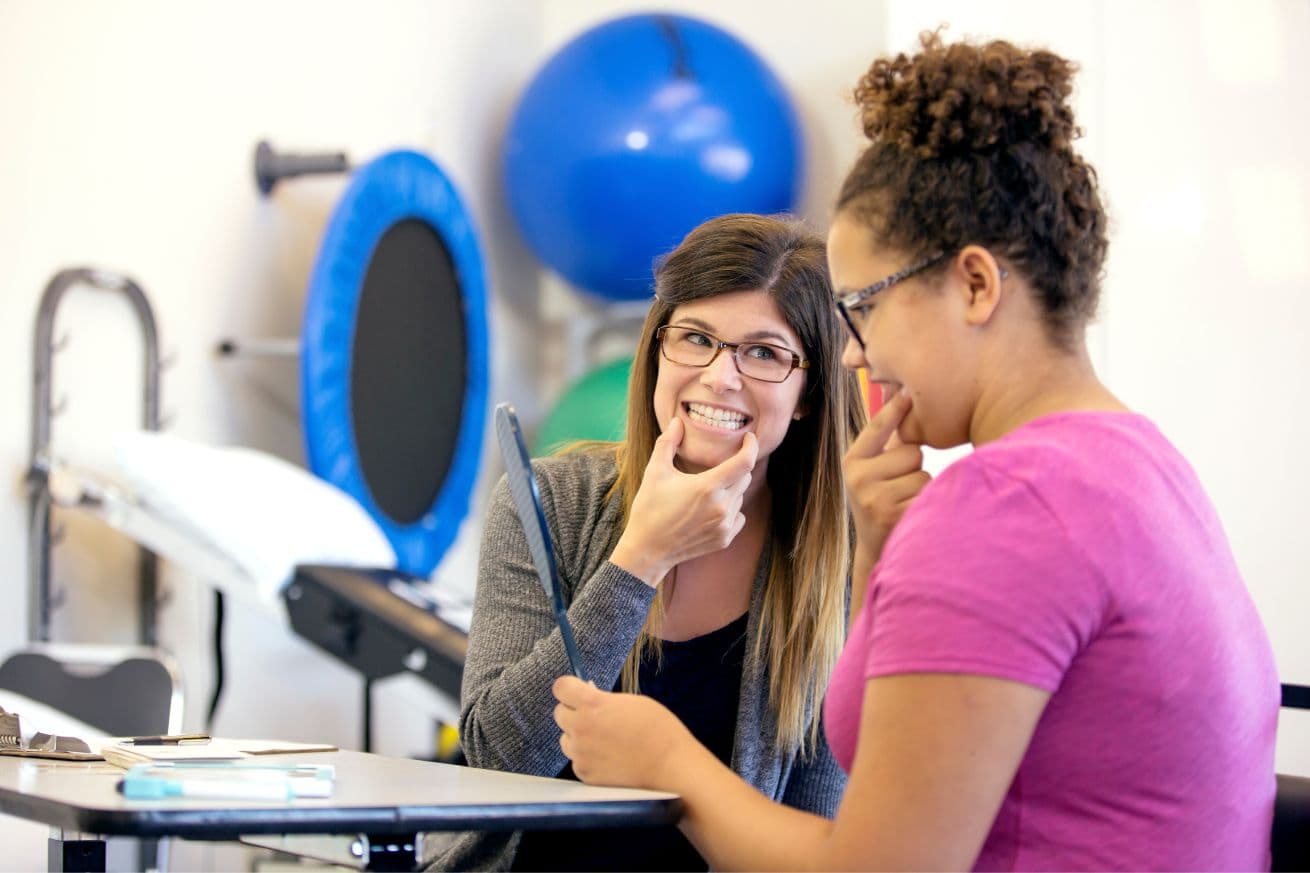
(240, 768)
(210, 789)
(226, 781)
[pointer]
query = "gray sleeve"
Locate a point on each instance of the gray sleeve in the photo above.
(515, 651)
(816, 783)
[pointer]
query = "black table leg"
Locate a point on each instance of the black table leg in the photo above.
(366, 728)
(78, 855)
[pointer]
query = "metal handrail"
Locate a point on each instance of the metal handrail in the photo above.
(39, 464)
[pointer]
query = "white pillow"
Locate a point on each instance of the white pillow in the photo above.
(33, 716)
(265, 514)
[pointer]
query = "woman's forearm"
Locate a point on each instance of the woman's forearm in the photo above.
(734, 826)
(505, 722)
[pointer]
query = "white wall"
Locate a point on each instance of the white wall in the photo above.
(129, 135)
(1209, 309)
(126, 143)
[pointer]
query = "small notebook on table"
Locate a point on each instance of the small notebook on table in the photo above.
(44, 746)
(40, 745)
(125, 753)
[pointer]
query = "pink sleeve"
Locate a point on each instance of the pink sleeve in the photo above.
(980, 577)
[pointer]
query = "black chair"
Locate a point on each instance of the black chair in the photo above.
(121, 690)
(1290, 841)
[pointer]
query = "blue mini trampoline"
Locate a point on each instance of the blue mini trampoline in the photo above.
(395, 367)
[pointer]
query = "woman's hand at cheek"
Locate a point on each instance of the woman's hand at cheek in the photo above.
(626, 740)
(883, 476)
(677, 516)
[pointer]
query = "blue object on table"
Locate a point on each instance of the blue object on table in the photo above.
(635, 132)
(394, 368)
(527, 500)
(227, 780)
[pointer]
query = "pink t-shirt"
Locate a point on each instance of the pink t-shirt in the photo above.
(1080, 555)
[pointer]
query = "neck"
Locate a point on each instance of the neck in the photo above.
(1054, 381)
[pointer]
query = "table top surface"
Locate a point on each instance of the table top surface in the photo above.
(372, 794)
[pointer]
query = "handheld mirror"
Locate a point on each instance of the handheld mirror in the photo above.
(527, 500)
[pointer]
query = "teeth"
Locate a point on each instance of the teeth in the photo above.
(715, 417)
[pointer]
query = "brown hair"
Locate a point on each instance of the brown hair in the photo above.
(974, 144)
(802, 625)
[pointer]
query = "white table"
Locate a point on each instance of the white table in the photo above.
(388, 801)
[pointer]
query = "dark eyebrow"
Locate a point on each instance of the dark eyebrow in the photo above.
(754, 336)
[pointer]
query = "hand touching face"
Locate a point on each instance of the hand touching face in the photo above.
(677, 516)
(883, 476)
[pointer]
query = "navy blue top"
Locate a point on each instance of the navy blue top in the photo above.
(700, 681)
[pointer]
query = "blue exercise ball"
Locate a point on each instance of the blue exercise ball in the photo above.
(634, 133)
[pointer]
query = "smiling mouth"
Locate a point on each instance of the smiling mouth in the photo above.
(714, 417)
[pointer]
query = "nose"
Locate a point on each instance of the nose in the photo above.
(722, 373)
(852, 356)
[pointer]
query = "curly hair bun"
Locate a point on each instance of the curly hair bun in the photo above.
(961, 98)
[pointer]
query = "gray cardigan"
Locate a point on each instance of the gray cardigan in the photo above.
(515, 651)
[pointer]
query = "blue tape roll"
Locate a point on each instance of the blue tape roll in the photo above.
(400, 186)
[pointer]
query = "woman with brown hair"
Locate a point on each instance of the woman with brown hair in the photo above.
(1053, 662)
(705, 558)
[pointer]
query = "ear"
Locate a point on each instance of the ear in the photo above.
(981, 277)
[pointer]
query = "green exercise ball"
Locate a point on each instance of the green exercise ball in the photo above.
(593, 408)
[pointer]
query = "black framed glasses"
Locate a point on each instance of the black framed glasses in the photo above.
(693, 347)
(852, 305)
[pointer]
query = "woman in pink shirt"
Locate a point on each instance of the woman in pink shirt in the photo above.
(1054, 663)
